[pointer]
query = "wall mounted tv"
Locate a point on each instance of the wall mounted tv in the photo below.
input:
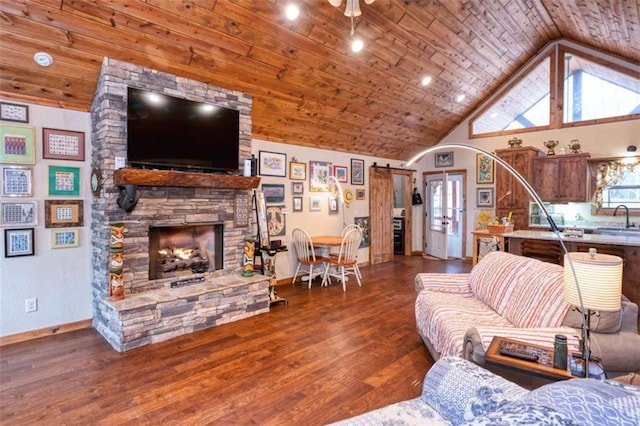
(165, 132)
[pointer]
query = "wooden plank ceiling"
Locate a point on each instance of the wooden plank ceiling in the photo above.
(308, 88)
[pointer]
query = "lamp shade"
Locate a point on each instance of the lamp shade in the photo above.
(599, 278)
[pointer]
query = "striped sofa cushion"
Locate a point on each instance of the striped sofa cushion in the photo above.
(536, 300)
(444, 318)
(493, 279)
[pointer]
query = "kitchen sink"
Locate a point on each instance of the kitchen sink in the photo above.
(623, 232)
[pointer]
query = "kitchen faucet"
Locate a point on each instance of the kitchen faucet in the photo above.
(627, 210)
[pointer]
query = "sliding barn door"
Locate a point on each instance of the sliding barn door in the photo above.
(381, 215)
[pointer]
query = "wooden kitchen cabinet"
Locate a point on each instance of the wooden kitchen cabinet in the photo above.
(511, 195)
(562, 178)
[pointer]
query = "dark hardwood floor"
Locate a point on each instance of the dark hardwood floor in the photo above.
(325, 356)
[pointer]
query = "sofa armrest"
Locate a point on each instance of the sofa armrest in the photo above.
(619, 352)
(460, 390)
(478, 339)
(445, 283)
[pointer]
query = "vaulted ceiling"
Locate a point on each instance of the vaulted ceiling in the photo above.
(308, 87)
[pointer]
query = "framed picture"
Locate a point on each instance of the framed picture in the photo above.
(333, 205)
(314, 204)
(17, 181)
(341, 173)
(17, 144)
(272, 163)
(18, 242)
(297, 204)
(444, 159)
(357, 172)
(360, 194)
(484, 169)
(319, 172)
(363, 222)
(276, 223)
(63, 213)
(484, 197)
(297, 188)
(62, 144)
(297, 171)
(14, 112)
(65, 238)
(273, 193)
(18, 213)
(242, 208)
(64, 181)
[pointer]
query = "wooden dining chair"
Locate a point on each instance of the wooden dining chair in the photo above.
(346, 262)
(307, 258)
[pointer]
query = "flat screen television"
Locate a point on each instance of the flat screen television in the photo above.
(165, 132)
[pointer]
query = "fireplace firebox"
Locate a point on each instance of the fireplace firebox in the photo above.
(179, 251)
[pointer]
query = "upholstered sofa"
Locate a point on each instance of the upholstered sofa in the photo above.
(521, 298)
(458, 392)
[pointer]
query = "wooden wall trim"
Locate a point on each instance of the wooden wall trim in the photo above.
(44, 332)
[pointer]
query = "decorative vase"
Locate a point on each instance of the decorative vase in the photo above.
(550, 145)
(574, 146)
(515, 143)
(247, 257)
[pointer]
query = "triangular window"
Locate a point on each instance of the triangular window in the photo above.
(591, 90)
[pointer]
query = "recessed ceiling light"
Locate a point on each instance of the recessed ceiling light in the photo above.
(494, 115)
(460, 98)
(292, 11)
(426, 80)
(43, 59)
(357, 45)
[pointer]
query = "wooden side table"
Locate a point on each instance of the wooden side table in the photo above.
(527, 373)
(483, 233)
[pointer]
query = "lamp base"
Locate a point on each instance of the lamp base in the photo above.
(576, 367)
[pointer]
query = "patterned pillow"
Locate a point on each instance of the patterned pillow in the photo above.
(522, 413)
(591, 401)
(460, 390)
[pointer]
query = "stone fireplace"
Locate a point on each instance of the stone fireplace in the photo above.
(213, 291)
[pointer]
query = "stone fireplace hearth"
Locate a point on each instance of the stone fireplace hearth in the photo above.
(152, 311)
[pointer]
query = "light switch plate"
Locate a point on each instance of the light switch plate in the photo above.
(120, 162)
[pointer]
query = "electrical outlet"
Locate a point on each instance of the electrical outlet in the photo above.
(31, 305)
(120, 162)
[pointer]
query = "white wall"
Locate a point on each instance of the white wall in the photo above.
(317, 223)
(601, 140)
(59, 278)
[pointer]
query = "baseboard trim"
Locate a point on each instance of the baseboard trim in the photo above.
(44, 332)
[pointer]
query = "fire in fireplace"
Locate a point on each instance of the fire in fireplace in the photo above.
(178, 251)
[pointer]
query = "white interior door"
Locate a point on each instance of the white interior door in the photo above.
(436, 216)
(455, 214)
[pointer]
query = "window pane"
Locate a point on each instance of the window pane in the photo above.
(626, 191)
(526, 105)
(593, 91)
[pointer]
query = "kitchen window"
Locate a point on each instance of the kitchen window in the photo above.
(618, 182)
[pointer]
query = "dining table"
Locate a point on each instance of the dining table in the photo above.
(324, 244)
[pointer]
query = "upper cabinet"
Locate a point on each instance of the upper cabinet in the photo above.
(511, 195)
(562, 178)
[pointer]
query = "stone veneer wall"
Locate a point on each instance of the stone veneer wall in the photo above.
(157, 205)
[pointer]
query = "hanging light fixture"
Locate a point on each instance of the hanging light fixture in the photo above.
(351, 10)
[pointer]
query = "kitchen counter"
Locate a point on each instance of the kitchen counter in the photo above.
(586, 238)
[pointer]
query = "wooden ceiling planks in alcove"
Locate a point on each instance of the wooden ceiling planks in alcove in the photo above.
(307, 87)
